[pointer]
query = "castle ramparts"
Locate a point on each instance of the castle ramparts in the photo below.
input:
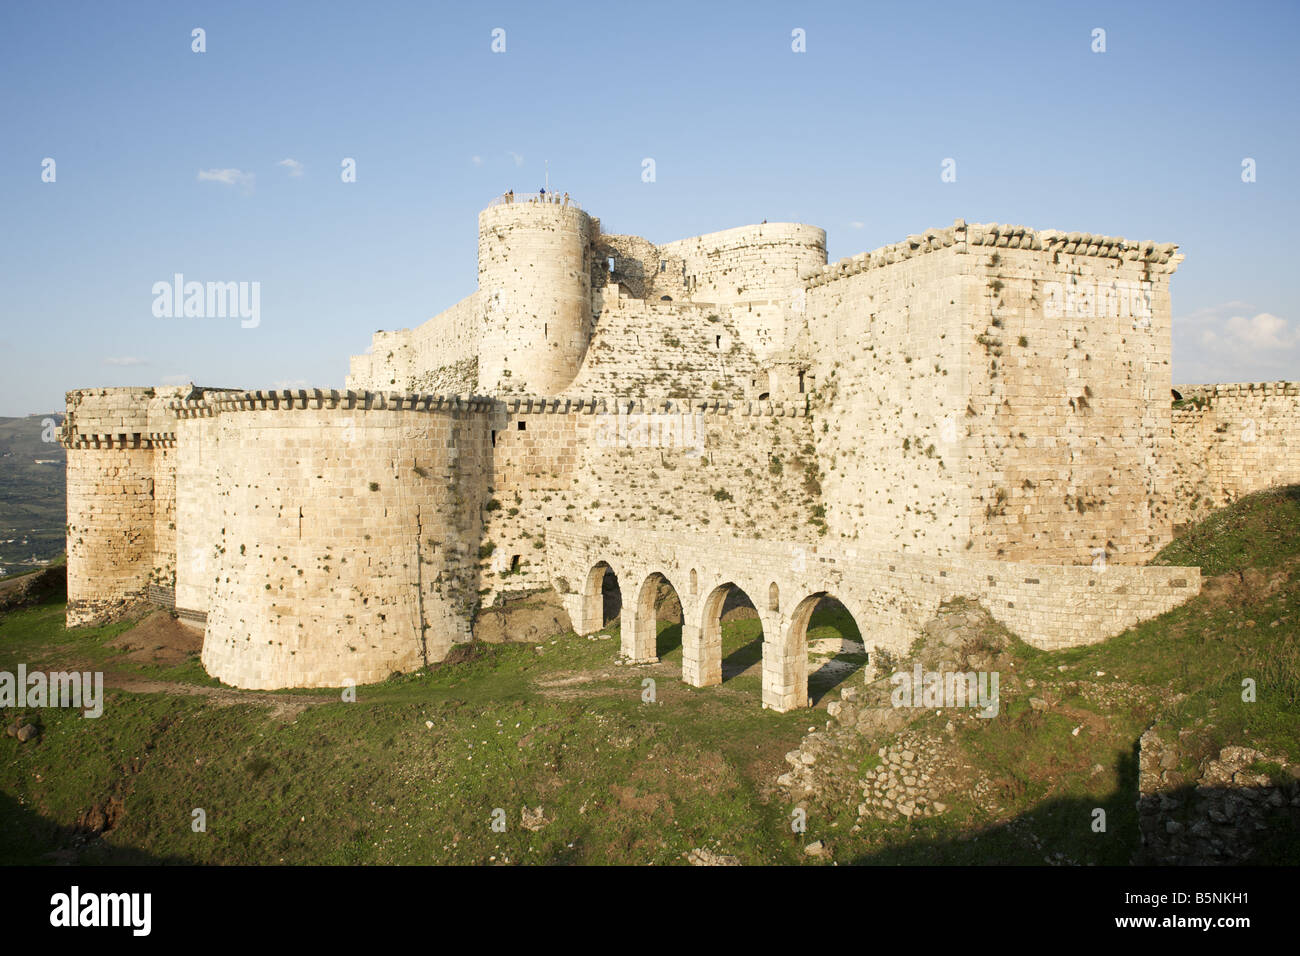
(982, 410)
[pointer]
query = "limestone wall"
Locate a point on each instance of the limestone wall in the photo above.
(759, 266)
(120, 497)
(534, 274)
(677, 350)
(997, 391)
(439, 357)
(343, 534)
(1231, 440)
(1070, 350)
(197, 517)
(885, 340)
(110, 529)
(641, 269)
(676, 465)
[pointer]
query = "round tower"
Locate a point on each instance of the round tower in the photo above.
(534, 280)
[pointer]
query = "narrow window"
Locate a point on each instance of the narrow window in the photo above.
(514, 563)
(801, 383)
(523, 426)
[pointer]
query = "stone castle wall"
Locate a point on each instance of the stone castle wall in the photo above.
(1231, 440)
(120, 497)
(677, 350)
(534, 277)
(760, 266)
(340, 535)
(439, 357)
(890, 368)
(976, 404)
(695, 465)
(980, 410)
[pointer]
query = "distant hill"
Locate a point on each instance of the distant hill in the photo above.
(32, 490)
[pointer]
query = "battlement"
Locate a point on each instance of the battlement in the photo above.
(126, 417)
(1239, 390)
(214, 403)
(962, 236)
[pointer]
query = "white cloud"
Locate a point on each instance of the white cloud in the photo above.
(177, 380)
(294, 167)
(292, 383)
(476, 160)
(1264, 331)
(124, 361)
(227, 177)
(1234, 342)
(857, 225)
(517, 157)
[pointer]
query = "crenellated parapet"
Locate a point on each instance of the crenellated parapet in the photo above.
(215, 403)
(963, 237)
(331, 399)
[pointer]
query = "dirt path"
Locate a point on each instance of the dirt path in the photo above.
(283, 706)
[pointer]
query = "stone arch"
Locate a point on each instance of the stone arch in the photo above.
(602, 598)
(650, 599)
(702, 661)
(804, 688)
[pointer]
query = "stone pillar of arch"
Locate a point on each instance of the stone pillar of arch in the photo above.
(639, 624)
(785, 664)
(591, 613)
(702, 640)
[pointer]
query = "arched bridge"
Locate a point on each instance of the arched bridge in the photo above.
(889, 596)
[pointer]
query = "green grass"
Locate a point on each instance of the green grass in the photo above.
(621, 781)
(624, 781)
(1257, 532)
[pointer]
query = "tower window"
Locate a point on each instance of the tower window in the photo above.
(523, 426)
(663, 265)
(610, 263)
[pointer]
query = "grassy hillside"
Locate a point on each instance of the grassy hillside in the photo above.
(32, 509)
(584, 770)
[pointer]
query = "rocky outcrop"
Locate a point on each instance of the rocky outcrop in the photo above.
(1218, 811)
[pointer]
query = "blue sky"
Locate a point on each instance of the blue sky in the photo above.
(173, 161)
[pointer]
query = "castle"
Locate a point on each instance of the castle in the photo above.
(980, 410)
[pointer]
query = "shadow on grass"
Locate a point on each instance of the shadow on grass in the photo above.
(668, 640)
(743, 658)
(1062, 826)
(29, 839)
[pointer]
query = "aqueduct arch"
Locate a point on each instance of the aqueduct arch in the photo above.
(796, 637)
(592, 615)
(645, 622)
(889, 596)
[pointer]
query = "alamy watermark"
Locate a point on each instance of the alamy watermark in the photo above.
(922, 688)
(652, 430)
(127, 910)
(1116, 298)
(208, 300)
(78, 689)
